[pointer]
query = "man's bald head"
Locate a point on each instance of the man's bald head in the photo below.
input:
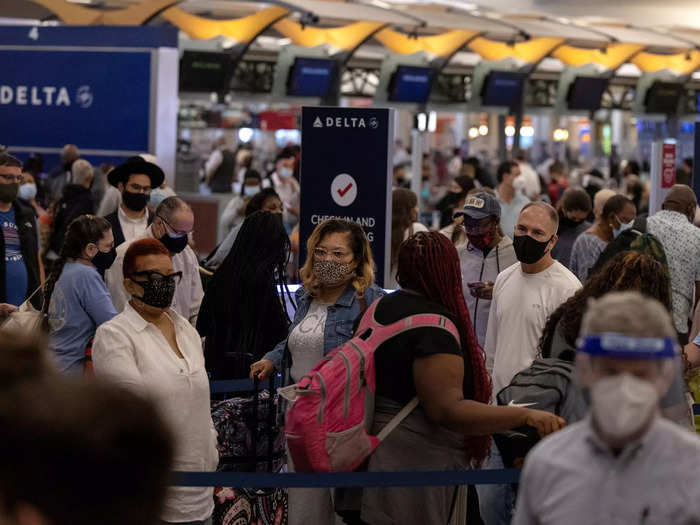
(69, 153)
(545, 214)
(681, 198)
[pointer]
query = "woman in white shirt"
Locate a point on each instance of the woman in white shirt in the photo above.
(404, 223)
(157, 353)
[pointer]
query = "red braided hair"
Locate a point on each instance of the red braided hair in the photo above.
(428, 263)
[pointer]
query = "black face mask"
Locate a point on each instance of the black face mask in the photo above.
(529, 250)
(8, 192)
(135, 201)
(569, 224)
(174, 244)
(158, 293)
(104, 260)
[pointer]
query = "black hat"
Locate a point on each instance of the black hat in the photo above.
(136, 165)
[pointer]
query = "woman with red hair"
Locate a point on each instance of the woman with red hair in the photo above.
(156, 352)
(450, 428)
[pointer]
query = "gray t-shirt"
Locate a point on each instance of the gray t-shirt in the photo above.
(585, 253)
(306, 340)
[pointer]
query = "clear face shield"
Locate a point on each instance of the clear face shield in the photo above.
(628, 380)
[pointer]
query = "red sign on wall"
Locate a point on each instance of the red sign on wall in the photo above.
(668, 165)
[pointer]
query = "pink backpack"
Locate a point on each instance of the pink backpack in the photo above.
(333, 405)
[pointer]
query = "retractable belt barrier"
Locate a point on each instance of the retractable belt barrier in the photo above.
(260, 480)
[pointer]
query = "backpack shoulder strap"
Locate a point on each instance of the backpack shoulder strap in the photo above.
(380, 333)
(397, 419)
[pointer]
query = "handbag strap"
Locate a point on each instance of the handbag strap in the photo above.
(29, 299)
(397, 419)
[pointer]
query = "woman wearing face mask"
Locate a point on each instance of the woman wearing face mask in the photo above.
(486, 253)
(337, 279)
(286, 186)
(75, 296)
(618, 215)
(573, 207)
(154, 351)
(28, 191)
(234, 213)
(404, 223)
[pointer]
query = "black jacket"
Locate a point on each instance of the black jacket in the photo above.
(113, 219)
(76, 201)
(25, 218)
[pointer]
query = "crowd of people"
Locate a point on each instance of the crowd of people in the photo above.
(543, 277)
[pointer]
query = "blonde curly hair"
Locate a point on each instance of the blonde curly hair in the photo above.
(364, 273)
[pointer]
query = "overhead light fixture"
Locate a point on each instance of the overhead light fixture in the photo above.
(483, 130)
(510, 131)
(245, 135)
(527, 131)
(560, 135)
(421, 122)
(473, 132)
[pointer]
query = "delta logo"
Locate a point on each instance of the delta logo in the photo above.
(346, 122)
(45, 96)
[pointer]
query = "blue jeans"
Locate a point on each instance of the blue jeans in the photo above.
(496, 502)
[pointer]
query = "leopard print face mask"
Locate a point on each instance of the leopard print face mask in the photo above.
(332, 273)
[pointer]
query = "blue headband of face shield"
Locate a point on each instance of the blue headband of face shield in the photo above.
(627, 347)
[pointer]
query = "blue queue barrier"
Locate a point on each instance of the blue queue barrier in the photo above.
(258, 480)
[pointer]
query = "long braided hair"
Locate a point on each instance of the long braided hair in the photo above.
(629, 270)
(81, 231)
(242, 311)
(428, 264)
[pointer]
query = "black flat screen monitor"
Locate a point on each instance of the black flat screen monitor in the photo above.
(311, 77)
(411, 84)
(503, 88)
(663, 97)
(585, 93)
(203, 71)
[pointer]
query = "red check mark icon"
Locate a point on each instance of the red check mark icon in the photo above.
(345, 190)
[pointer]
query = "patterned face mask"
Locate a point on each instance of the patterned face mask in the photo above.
(332, 273)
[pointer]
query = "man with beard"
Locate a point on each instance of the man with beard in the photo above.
(20, 266)
(134, 179)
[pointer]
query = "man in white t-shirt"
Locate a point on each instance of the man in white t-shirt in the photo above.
(525, 294)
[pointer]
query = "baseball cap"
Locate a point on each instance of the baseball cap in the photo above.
(480, 206)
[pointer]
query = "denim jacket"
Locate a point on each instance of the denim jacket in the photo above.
(339, 322)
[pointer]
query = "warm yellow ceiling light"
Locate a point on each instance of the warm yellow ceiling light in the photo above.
(134, 15)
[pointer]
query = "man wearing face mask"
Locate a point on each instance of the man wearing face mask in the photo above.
(674, 227)
(623, 463)
(573, 207)
(21, 271)
(234, 213)
(172, 225)
(526, 294)
(487, 253)
(134, 179)
(286, 186)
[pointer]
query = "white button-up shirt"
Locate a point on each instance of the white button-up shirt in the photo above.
(132, 228)
(134, 353)
(188, 294)
(572, 477)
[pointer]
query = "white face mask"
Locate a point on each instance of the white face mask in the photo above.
(28, 191)
(623, 404)
(285, 172)
(249, 191)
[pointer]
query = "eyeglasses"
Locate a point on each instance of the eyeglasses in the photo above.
(176, 233)
(12, 178)
(154, 276)
(337, 255)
